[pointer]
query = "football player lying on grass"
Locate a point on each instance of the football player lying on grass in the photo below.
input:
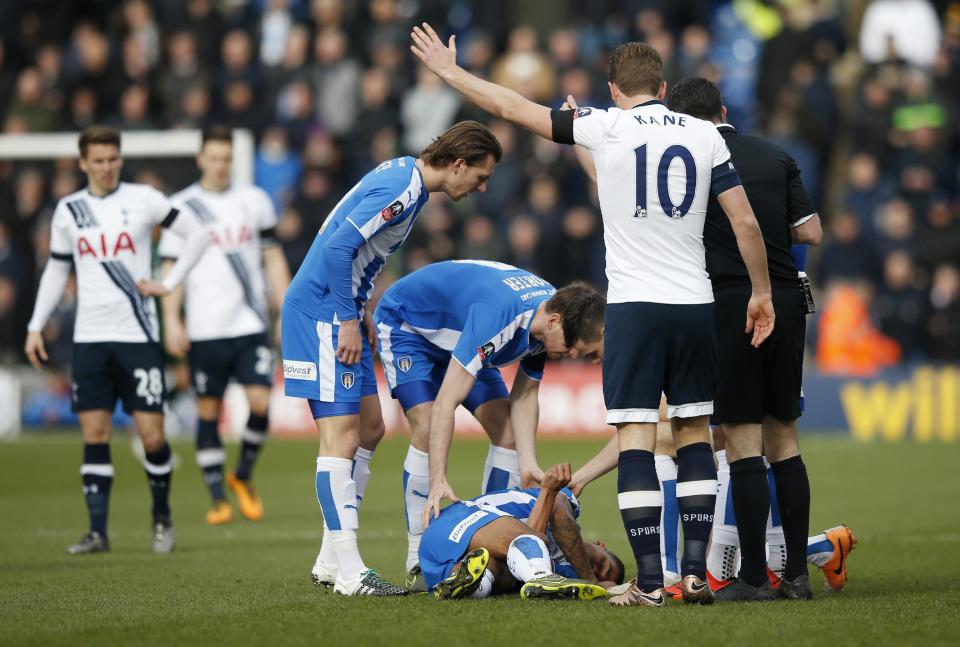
(497, 541)
(827, 551)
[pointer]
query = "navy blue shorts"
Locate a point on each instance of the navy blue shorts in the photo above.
(654, 348)
(247, 359)
(105, 371)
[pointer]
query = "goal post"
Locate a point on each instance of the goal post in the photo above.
(153, 144)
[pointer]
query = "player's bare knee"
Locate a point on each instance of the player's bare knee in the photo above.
(780, 439)
(665, 444)
(418, 418)
(494, 417)
(259, 399)
(371, 433)
(150, 430)
(637, 435)
(208, 408)
(742, 441)
(95, 426)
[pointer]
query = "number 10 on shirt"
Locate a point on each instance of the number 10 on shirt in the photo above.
(663, 174)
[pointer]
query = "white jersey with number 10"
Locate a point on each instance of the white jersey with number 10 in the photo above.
(655, 172)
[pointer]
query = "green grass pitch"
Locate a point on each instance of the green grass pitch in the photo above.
(249, 584)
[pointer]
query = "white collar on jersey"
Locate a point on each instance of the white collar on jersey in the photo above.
(719, 126)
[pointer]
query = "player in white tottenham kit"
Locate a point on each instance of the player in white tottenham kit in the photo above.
(656, 170)
(227, 315)
(105, 231)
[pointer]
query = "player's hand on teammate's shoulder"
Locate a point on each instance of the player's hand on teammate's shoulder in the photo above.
(570, 103)
(431, 51)
(760, 318)
(152, 288)
(438, 492)
(556, 478)
(35, 350)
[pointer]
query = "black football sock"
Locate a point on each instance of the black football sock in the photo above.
(211, 457)
(640, 502)
(751, 505)
(793, 499)
(253, 437)
(696, 496)
(97, 476)
(159, 466)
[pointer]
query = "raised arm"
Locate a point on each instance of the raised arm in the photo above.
(760, 315)
(554, 480)
(492, 98)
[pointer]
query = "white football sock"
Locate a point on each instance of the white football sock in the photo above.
(337, 494)
(327, 555)
(669, 518)
(501, 471)
(528, 559)
(416, 488)
(361, 471)
(722, 558)
(819, 550)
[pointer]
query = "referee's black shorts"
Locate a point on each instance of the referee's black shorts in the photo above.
(753, 382)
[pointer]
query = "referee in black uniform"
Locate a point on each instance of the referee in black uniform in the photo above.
(757, 402)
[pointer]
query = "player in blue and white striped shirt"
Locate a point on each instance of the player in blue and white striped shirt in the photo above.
(326, 360)
(444, 330)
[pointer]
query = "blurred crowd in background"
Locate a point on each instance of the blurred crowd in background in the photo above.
(865, 95)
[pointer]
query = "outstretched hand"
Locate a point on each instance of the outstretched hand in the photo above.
(431, 51)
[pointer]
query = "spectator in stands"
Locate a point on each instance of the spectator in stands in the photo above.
(900, 307)
(181, 73)
(336, 82)
(938, 242)
(943, 326)
(847, 255)
(426, 110)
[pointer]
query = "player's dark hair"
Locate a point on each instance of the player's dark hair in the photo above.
(581, 308)
(621, 569)
(636, 68)
(697, 97)
(98, 135)
(216, 134)
(470, 141)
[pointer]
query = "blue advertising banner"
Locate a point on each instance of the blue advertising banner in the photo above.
(912, 402)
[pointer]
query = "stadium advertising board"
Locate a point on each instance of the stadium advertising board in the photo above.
(918, 402)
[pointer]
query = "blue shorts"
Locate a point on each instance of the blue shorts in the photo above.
(654, 348)
(415, 368)
(247, 359)
(447, 539)
(311, 369)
